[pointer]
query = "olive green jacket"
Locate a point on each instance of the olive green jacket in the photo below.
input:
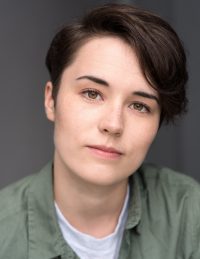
(163, 220)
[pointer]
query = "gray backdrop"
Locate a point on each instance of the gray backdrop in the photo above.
(26, 29)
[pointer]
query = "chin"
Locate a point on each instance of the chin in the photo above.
(103, 177)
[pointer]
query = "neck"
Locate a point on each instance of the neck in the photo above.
(90, 208)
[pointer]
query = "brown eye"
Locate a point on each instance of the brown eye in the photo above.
(140, 107)
(92, 94)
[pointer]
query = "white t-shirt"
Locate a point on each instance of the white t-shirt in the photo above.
(89, 247)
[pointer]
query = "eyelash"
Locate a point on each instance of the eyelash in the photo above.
(142, 106)
(88, 91)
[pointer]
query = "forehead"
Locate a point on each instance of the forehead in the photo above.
(107, 50)
(111, 59)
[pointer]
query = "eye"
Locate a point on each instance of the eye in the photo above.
(143, 108)
(92, 94)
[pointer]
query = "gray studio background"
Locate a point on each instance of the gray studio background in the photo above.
(26, 29)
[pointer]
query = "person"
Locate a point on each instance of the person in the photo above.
(116, 76)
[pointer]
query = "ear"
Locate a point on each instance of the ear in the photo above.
(49, 101)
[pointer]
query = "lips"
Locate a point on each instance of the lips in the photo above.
(107, 149)
(105, 152)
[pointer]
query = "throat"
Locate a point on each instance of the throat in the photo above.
(89, 208)
(100, 226)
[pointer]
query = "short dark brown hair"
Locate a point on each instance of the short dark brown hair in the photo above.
(159, 50)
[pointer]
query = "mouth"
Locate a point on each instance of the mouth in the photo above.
(105, 152)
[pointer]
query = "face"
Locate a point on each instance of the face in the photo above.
(106, 114)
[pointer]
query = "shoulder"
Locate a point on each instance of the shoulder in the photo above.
(24, 206)
(13, 197)
(173, 200)
(169, 187)
(157, 177)
(13, 218)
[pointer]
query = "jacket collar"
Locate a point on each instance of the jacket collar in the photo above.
(135, 203)
(45, 238)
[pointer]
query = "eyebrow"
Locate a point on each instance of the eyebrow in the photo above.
(147, 95)
(94, 79)
(105, 83)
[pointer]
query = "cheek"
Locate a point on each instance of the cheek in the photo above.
(73, 120)
(66, 123)
(143, 136)
(149, 133)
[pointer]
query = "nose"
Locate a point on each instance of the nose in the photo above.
(111, 122)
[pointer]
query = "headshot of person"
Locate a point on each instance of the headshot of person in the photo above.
(116, 76)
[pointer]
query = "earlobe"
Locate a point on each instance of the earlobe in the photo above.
(49, 101)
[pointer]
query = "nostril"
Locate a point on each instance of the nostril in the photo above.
(113, 131)
(112, 122)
